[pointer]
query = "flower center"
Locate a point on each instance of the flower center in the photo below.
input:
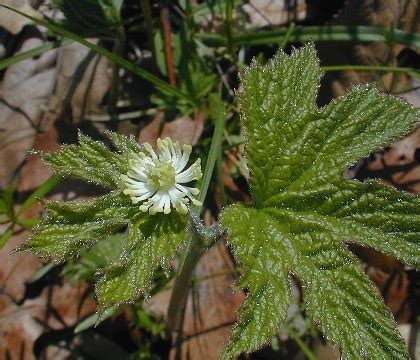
(162, 176)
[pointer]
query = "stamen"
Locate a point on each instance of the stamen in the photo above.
(155, 178)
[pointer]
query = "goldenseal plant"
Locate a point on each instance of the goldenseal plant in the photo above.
(143, 186)
(302, 215)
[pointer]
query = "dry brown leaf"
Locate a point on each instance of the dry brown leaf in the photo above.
(400, 162)
(185, 130)
(394, 289)
(211, 314)
(151, 131)
(16, 269)
(83, 78)
(402, 14)
(19, 328)
(274, 12)
(58, 306)
(14, 22)
(24, 92)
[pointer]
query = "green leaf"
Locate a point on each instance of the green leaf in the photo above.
(41, 273)
(342, 299)
(160, 50)
(369, 213)
(125, 145)
(194, 75)
(93, 230)
(90, 161)
(284, 90)
(72, 227)
(265, 259)
(118, 4)
(115, 206)
(304, 209)
(99, 256)
(152, 242)
(63, 241)
(93, 319)
(37, 51)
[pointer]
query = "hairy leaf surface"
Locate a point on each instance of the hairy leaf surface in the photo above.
(152, 242)
(304, 210)
(92, 161)
(69, 229)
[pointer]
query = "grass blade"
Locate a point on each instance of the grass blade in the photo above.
(317, 33)
(94, 319)
(41, 273)
(414, 73)
(43, 190)
(33, 52)
(4, 238)
(218, 114)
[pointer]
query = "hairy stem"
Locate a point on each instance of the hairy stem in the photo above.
(200, 237)
(194, 250)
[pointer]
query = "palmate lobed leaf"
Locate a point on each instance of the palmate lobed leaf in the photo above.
(71, 228)
(304, 209)
(91, 161)
(152, 242)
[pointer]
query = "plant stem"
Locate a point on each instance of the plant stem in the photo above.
(188, 262)
(220, 179)
(197, 241)
(302, 345)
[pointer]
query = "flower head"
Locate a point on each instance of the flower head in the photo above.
(155, 178)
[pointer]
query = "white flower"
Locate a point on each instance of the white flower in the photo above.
(155, 179)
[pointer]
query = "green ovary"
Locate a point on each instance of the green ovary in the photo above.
(162, 176)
